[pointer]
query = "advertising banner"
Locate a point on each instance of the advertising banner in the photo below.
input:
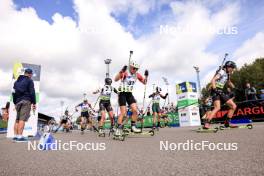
(189, 116)
(187, 99)
(186, 87)
(253, 110)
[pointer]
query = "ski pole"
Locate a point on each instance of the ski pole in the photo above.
(222, 65)
(96, 102)
(130, 56)
(145, 87)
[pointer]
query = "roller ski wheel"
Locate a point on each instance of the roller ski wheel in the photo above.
(206, 130)
(248, 126)
(152, 132)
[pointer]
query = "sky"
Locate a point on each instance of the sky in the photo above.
(70, 39)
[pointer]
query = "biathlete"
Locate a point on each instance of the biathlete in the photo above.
(85, 116)
(128, 80)
(105, 105)
(218, 82)
(65, 122)
(156, 106)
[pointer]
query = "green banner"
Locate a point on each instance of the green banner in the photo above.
(187, 102)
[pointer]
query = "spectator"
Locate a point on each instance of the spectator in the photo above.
(262, 94)
(172, 108)
(148, 112)
(250, 92)
(5, 112)
(23, 97)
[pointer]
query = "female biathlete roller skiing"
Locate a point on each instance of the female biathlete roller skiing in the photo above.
(66, 118)
(105, 104)
(156, 106)
(219, 96)
(85, 117)
(128, 80)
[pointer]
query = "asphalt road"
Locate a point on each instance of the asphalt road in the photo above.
(140, 155)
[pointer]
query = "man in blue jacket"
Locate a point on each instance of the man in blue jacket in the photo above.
(23, 97)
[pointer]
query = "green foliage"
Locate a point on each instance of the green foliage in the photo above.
(253, 73)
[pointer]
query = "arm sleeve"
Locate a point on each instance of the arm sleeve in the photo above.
(150, 96)
(164, 97)
(78, 105)
(32, 92)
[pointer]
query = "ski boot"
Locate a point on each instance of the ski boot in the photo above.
(206, 126)
(119, 134)
(111, 130)
(82, 131)
(101, 132)
(228, 125)
(134, 129)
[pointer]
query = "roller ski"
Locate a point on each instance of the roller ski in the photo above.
(206, 130)
(135, 131)
(227, 125)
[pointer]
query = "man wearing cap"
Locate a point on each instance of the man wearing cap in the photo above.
(23, 97)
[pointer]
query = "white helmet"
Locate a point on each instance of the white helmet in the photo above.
(134, 64)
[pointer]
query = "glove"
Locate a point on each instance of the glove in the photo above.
(146, 73)
(166, 94)
(123, 69)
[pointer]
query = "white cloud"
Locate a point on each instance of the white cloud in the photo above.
(250, 50)
(71, 54)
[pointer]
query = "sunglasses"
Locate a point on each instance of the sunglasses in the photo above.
(133, 68)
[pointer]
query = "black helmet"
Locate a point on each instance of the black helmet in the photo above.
(158, 89)
(108, 81)
(230, 64)
(28, 71)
